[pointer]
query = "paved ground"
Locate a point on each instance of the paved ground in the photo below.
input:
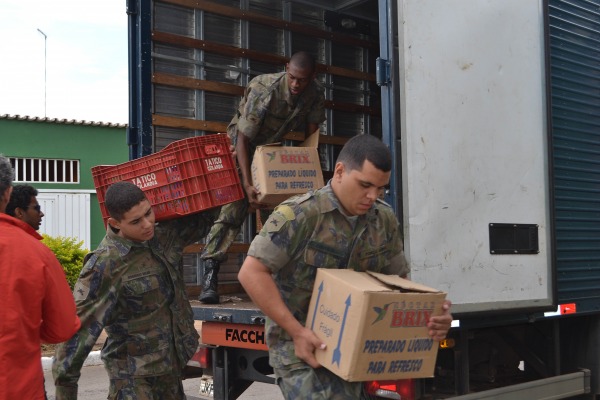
(93, 385)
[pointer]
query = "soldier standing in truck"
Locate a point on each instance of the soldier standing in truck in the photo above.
(273, 104)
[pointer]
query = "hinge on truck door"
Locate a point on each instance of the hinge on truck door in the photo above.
(382, 71)
(258, 319)
(222, 317)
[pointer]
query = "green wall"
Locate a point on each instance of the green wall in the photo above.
(90, 143)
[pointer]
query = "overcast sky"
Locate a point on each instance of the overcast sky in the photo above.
(86, 55)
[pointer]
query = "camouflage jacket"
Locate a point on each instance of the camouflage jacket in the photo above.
(135, 291)
(309, 232)
(267, 104)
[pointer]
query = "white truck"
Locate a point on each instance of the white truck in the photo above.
(492, 111)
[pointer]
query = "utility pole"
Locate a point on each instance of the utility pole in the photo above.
(45, 58)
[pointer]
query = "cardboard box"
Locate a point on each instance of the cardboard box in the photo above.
(374, 325)
(280, 172)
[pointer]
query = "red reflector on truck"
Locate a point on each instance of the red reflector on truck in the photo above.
(570, 308)
(400, 390)
(201, 357)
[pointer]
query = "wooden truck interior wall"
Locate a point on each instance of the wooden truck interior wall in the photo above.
(204, 53)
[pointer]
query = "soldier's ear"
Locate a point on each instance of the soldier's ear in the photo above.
(338, 171)
(114, 224)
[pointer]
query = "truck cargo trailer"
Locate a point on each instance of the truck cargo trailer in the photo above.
(492, 111)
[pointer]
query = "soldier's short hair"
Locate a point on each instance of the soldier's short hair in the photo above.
(365, 147)
(303, 60)
(20, 197)
(6, 174)
(122, 197)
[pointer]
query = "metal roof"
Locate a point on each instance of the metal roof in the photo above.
(61, 121)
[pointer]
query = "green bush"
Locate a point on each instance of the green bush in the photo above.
(70, 254)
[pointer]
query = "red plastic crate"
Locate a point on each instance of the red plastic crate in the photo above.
(187, 176)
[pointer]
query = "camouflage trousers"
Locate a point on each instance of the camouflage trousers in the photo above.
(301, 382)
(164, 387)
(226, 228)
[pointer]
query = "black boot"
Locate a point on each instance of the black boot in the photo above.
(210, 282)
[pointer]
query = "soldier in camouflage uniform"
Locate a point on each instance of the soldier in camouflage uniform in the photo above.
(132, 286)
(273, 105)
(343, 225)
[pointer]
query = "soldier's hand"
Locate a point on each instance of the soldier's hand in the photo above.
(440, 325)
(251, 194)
(305, 344)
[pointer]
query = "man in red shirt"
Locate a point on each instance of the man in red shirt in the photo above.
(36, 303)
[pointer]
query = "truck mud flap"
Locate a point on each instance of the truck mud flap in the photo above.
(556, 387)
(235, 369)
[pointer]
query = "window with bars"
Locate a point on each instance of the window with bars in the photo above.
(45, 170)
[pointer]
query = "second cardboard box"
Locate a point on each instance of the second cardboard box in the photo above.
(280, 172)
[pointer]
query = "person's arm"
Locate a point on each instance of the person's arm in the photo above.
(440, 325)
(256, 279)
(243, 156)
(59, 315)
(316, 116)
(175, 234)
(96, 299)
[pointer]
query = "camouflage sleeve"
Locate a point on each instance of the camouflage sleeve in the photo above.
(398, 266)
(174, 235)
(96, 299)
(60, 319)
(270, 255)
(317, 112)
(283, 236)
(253, 109)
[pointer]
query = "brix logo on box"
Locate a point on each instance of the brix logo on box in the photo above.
(289, 157)
(409, 315)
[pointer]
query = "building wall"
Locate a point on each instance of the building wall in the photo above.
(89, 142)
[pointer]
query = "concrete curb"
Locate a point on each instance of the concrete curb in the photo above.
(92, 359)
